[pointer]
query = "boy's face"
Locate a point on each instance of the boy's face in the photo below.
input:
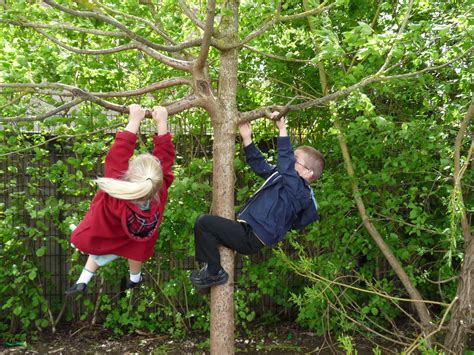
(300, 166)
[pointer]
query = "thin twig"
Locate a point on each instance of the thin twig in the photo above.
(417, 343)
(64, 26)
(125, 29)
(399, 35)
(261, 112)
(118, 49)
(42, 117)
(191, 15)
(206, 40)
(67, 136)
(316, 277)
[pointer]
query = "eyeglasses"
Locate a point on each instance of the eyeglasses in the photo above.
(304, 166)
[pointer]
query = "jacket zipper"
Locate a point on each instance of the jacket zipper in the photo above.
(255, 194)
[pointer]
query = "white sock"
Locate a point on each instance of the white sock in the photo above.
(85, 277)
(135, 277)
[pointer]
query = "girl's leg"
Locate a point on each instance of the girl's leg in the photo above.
(91, 265)
(135, 267)
(87, 273)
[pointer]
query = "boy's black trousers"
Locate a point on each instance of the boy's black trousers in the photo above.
(211, 231)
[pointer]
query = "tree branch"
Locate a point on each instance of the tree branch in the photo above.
(258, 113)
(206, 41)
(150, 88)
(111, 21)
(274, 21)
(42, 117)
(308, 13)
(122, 48)
(399, 34)
(172, 62)
(458, 171)
(82, 95)
(422, 310)
(191, 15)
(68, 88)
(64, 26)
(148, 23)
(157, 20)
(65, 136)
(277, 57)
(181, 105)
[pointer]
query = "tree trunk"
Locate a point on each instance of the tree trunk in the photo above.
(462, 313)
(222, 303)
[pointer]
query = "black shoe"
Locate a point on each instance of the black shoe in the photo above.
(131, 284)
(76, 288)
(202, 279)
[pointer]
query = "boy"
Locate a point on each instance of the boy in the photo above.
(283, 202)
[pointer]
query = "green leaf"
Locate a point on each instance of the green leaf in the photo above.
(32, 274)
(41, 251)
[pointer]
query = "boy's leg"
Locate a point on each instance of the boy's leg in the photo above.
(212, 231)
(136, 278)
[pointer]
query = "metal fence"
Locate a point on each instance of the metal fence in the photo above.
(56, 262)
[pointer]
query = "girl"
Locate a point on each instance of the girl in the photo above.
(125, 214)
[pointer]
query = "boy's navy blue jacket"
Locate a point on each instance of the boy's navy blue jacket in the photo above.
(285, 201)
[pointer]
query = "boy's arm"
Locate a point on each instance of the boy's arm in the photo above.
(308, 214)
(163, 146)
(116, 161)
(252, 155)
(286, 158)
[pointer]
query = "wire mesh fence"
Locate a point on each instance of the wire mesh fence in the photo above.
(17, 178)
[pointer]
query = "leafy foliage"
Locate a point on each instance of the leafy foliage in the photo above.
(400, 134)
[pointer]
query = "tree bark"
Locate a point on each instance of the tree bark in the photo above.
(462, 313)
(222, 302)
(224, 122)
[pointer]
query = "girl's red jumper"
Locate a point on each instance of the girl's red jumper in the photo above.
(104, 228)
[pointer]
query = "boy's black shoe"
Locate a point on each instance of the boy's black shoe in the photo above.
(77, 288)
(131, 284)
(202, 279)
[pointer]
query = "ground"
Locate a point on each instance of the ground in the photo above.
(282, 339)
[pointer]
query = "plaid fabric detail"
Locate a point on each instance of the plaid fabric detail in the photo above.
(141, 226)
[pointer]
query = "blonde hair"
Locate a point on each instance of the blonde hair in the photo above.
(313, 160)
(141, 182)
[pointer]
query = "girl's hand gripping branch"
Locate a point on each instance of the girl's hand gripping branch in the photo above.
(136, 116)
(160, 115)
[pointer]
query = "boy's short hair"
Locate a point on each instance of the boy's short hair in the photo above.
(314, 160)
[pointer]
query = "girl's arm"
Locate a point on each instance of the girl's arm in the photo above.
(116, 161)
(163, 145)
